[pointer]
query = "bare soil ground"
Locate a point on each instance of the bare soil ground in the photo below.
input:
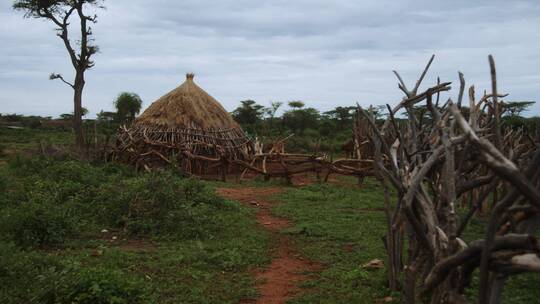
(279, 282)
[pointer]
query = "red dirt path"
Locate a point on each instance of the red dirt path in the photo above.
(279, 282)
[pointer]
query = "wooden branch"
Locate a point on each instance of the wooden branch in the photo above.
(58, 76)
(498, 162)
(497, 117)
(445, 86)
(473, 115)
(508, 200)
(423, 75)
(438, 93)
(402, 85)
(483, 196)
(526, 262)
(461, 89)
(378, 134)
(474, 183)
(441, 270)
(208, 159)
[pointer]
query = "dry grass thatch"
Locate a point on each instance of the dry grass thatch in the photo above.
(186, 125)
(187, 107)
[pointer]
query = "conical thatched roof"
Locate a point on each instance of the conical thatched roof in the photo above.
(187, 106)
(186, 125)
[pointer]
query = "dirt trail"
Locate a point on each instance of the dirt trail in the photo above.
(279, 281)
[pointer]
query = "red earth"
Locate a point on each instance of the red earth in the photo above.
(279, 281)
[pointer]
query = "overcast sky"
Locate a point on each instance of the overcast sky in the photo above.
(326, 53)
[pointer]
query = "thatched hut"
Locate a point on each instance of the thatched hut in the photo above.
(187, 127)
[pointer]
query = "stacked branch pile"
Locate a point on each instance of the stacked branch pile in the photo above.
(445, 155)
(277, 163)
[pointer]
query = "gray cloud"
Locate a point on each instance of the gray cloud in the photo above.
(326, 53)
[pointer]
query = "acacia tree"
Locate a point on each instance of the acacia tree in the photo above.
(248, 113)
(60, 12)
(297, 104)
(298, 119)
(515, 108)
(128, 105)
(270, 113)
(343, 115)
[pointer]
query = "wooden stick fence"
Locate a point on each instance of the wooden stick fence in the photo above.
(445, 154)
(198, 152)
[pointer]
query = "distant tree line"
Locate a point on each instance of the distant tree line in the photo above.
(312, 129)
(329, 130)
(127, 106)
(259, 120)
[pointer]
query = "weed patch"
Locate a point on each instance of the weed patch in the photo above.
(53, 212)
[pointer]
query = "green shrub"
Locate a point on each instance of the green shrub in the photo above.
(51, 200)
(118, 169)
(46, 201)
(3, 183)
(32, 123)
(158, 204)
(30, 277)
(32, 224)
(56, 169)
(24, 166)
(75, 284)
(19, 272)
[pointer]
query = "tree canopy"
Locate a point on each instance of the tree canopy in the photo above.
(248, 113)
(298, 119)
(343, 115)
(515, 108)
(296, 104)
(128, 105)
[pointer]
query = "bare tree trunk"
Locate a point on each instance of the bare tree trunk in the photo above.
(59, 13)
(77, 113)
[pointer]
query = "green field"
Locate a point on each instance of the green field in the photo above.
(74, 232)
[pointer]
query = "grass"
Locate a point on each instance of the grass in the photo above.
(54, 214)
(212, 271)
(341, 228)
(15, 141)
(191, 271)
(338, 225)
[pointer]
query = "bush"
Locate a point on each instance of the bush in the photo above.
(158, 204)
(29, 277)
(74, 284)
(19, 271)
(32, 123)
(531, 124)
(118, 169)
(34, 224)
(3, 183)
(51, 200)
(2, 150)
